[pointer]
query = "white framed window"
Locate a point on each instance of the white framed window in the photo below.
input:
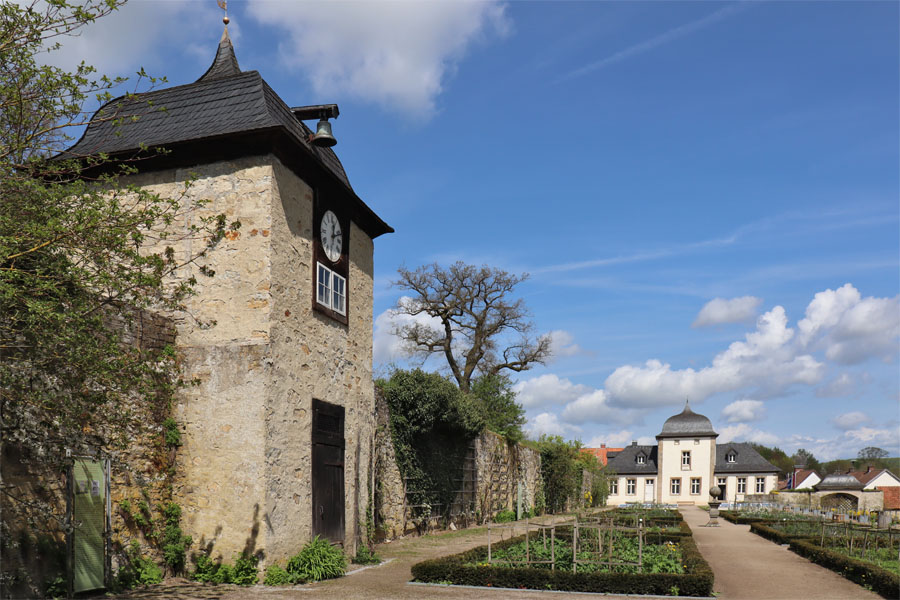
(730, 457)
(631, 487)
(685, 459)
(695, 485)
(760, 485)
(331, 289)
(640, 459)
(675, 486)
(613, 487)
(742, 485)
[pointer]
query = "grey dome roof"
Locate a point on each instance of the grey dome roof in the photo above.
(839, 481)
(687, 423)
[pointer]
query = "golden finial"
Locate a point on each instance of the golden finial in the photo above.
(223, 4)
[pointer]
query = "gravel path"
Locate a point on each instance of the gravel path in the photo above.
(748, 566)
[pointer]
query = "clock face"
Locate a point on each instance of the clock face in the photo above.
(332, 238)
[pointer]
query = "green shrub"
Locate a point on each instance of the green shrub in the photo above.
(138, 570)
(172, 434)
(505, 516)
(317, 560)
(245, 570)
(364, 556)
(175, 543)
(275, 575)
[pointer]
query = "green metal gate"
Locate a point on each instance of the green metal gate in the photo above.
(90, 493)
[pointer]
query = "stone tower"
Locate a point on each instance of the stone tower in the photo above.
(278, 432)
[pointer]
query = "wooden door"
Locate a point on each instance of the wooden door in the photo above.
(328, 470)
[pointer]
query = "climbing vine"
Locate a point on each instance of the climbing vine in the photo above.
(432, 423)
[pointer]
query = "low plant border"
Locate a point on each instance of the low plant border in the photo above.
(860, 572)
(698, 581)
(739, 519)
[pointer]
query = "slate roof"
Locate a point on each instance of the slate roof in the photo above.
(747, 460)
(223, 103)
(687, 423)
(625, 461)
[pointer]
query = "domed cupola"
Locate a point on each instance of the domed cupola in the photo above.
(687, 424)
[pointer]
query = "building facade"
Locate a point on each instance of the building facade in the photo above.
(278, 430)
(685, 463)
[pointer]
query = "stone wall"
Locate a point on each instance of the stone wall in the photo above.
(869, 500)
(490, 482)
(33, 504)
(244, 473)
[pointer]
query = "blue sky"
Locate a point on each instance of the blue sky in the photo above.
(705, 194)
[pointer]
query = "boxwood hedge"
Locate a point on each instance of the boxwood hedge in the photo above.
(739, 519)
(696, 581)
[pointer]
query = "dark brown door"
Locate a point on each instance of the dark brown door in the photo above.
(328, 470)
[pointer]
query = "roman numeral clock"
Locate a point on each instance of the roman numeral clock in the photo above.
(331, 252)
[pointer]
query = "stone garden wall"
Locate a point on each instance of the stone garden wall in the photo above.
(494, 473)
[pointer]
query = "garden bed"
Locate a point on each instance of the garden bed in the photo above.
(676, 553)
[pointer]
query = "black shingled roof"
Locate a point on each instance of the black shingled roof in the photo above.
(225, 103)
(687, 423)
(747, 460)
(625, 462)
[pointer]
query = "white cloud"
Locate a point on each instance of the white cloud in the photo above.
(396, 54)
(616, 439)
(546, 390)
(721, 310)
(387, 347)
(744, 411)
(847, 444)
(849, 328)
(594, 408)
(850, 420)
(744, 433)
(131, 37)
(562, 344)
(841, 385)
(765, 360)
(549, 424)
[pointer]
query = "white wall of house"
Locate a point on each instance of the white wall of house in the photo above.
(740, 485)
(810, 480)
(693, 479)
(885, 479)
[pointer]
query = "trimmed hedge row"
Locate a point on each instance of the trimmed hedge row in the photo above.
(698, 581)
(881, 581)
(738, 519)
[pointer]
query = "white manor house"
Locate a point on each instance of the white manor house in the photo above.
(685, 463)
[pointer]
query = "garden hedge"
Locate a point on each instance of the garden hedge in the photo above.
(698, 581)
(738, 519)
(880, 580)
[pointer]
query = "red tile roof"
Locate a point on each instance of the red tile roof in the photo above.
(601, 453)
(866, 476)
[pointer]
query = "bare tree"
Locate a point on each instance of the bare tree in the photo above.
(475, 323)
(872, 452)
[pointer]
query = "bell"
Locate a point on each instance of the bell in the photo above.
(323, 135)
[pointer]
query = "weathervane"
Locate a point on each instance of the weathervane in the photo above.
(223, 4)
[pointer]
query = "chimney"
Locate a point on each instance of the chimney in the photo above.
(634, 442)
(868, 468)
(603, 445)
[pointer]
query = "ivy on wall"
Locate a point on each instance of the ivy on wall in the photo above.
(432, 424)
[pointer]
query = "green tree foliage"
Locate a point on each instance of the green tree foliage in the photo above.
(870, 452)
(500, 411)
(75, 252)
(432, 423)
(561, 465)
(806, 459)
(478, 327)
